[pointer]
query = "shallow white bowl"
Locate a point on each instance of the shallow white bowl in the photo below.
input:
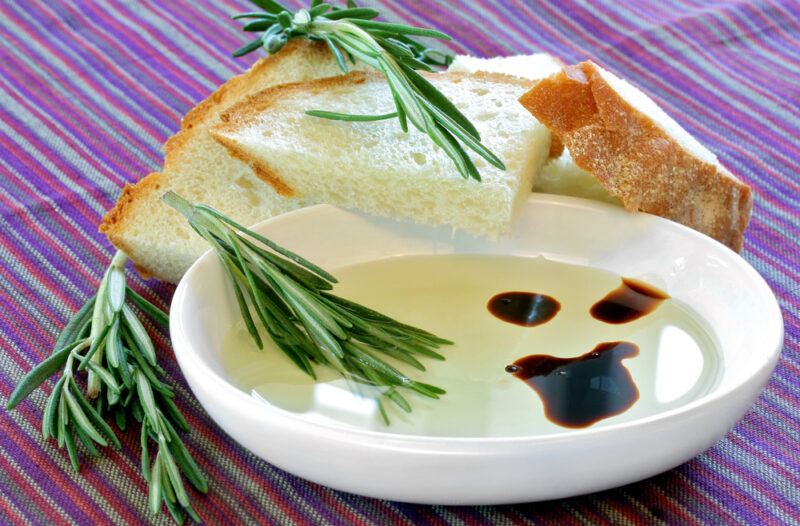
(721, 287)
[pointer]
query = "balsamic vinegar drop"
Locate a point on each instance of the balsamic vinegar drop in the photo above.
(578, 392)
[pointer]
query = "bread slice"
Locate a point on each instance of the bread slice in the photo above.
(157, 239)
(638, 153)
(374, 166)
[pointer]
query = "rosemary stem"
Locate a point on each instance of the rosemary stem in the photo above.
(98, 323)
(119, 259)
(184, 207)
(99, 318)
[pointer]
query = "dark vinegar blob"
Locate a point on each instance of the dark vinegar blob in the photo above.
(524, 308)
(578, 392)
(630, 301)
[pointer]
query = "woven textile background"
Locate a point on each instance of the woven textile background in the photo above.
(89, 91)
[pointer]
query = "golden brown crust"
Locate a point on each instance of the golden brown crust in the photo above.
(263, 172)
(556, 147)
(635, 159)
(244, 111)
(115, 221)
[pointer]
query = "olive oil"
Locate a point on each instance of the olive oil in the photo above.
(448, 295)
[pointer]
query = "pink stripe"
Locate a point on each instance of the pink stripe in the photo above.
(742, 440)
(78, 204)
(112, 74)
(8, 510)
(31, 492)
(112, 101)
(35, 106)
(695, 489)
(42, 277)
(218, 43)
(654, 493)
(787, 18)
(779, 60)
(19, 325)
(717, 484)
(699, 48)
(689, 86)
(163, 64)
(680, 95)
(70, 112)
(708, 52)
(130, 54)
(747, 478)
(215, 52)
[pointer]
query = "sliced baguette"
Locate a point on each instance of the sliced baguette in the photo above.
(638, 153)
(160, 241)
(374, 166)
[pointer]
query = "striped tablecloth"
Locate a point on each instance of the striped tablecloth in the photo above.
(90, 90)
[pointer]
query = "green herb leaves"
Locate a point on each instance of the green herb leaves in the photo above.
(291, 299)
(351, 34)
(123, 380)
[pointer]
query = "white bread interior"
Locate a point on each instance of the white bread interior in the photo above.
(374, 166)
(532, 67)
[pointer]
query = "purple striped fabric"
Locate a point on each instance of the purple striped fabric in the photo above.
(90, 90)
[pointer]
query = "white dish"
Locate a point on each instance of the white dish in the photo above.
(731, 298)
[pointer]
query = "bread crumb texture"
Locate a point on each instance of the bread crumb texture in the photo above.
(375, 166)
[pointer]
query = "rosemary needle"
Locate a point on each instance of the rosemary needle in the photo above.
(123, 382)
(352, 34)
(292, 299)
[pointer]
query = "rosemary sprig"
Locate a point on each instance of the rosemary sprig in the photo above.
(352, 34)
(291, 298)
(123, 382)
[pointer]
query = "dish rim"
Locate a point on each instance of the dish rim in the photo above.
(182, 349)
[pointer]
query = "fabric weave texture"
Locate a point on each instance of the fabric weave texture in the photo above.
(91, 89)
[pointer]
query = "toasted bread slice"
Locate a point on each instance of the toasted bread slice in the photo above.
(374, 166)
(638, 153)
(159, 240)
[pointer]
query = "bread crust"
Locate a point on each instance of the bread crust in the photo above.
(634, 159)
(116, 221)
(243, 113)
